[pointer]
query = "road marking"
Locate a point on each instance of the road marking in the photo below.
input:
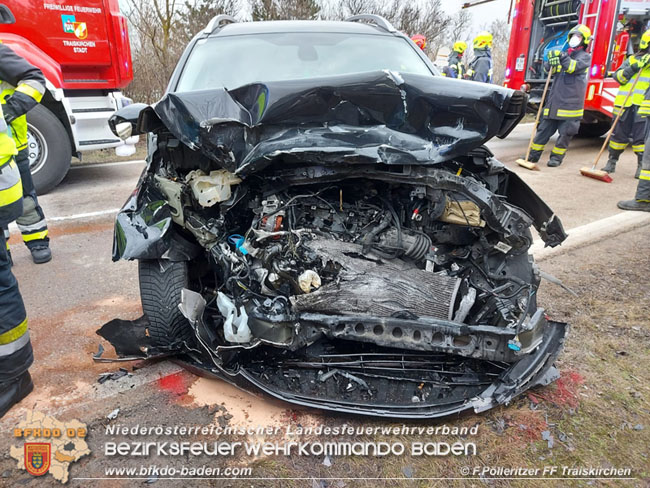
(106, 165)
(86, 215)
(13, 228)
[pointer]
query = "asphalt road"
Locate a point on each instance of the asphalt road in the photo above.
(69, 298)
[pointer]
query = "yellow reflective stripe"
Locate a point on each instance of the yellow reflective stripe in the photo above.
(546, 111)
(570, 113)
(639, 148)
(620, 78)
(572, 66)
(35, 236)
(537, 147)
(558, 150)
(644, 175)
(30, 91)
(14, 334)
(618, 146)
(11, 194)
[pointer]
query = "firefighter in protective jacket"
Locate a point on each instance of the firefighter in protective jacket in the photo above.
(15, 347)
(21, 88)
(480, 69)
(565, 102)
(630, 126)
(455, 67)
(642, 197)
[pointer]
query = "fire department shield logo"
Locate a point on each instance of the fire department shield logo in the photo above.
(80, 30)
(37, 457)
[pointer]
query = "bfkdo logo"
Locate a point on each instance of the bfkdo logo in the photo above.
(37, 457)
(44, 445)
(71, 26)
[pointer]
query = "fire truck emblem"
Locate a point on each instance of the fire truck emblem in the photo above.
(37, 457)
(71, 26)
(80, 30)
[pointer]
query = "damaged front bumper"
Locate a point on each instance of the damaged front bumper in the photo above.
(362, 378)
(406, 385)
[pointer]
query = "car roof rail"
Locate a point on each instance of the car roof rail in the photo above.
(375, 19)
(216, 21)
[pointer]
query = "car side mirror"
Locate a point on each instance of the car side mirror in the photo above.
(124, 122)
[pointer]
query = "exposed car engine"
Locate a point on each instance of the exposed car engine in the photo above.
(323, 265)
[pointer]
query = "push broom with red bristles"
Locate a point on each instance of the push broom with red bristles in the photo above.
(524, 163)
(599, 174)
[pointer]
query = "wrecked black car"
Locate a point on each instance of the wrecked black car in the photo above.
(338, 237)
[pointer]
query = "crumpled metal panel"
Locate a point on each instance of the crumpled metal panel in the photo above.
(143, 226)
(382, 116)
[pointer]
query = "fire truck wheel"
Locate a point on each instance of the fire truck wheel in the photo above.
(49, 149)
(593, 130)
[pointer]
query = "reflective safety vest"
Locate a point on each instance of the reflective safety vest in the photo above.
(11, 188)
(19, 124)
(644, 109)
(642, 85)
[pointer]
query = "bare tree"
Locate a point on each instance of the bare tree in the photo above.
(285, 9)
(197, 14)
(159, 31)
(411, 18)
(459, 27)
(501, 41)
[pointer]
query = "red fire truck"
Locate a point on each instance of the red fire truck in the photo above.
(83, 49)
(541, 25)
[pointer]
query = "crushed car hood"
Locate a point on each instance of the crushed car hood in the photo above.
(383, 116)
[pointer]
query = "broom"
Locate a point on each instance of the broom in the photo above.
(599, 174)
(524, 162)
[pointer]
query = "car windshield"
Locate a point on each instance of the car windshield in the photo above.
(233, 61)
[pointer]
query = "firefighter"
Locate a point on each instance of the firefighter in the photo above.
(455, 67)
(15, 347)
(420, 41)
(21, 88)
(480, 69)
(631, 126)
(642, 197)
(565, 102)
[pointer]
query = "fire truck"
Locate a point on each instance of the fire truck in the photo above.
(541, 25)
(83, 49)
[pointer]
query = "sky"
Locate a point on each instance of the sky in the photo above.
(483, 15)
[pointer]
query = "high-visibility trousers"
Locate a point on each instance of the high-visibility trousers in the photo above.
(630, 127)
(547, 127)
(643, 187)
(15, 347)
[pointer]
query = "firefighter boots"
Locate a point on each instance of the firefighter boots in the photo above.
(41, 254)
(634, 205)
(610, 167)
(14, 391)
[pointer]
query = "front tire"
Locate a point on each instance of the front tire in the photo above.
(160, 294)
(49, 149)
